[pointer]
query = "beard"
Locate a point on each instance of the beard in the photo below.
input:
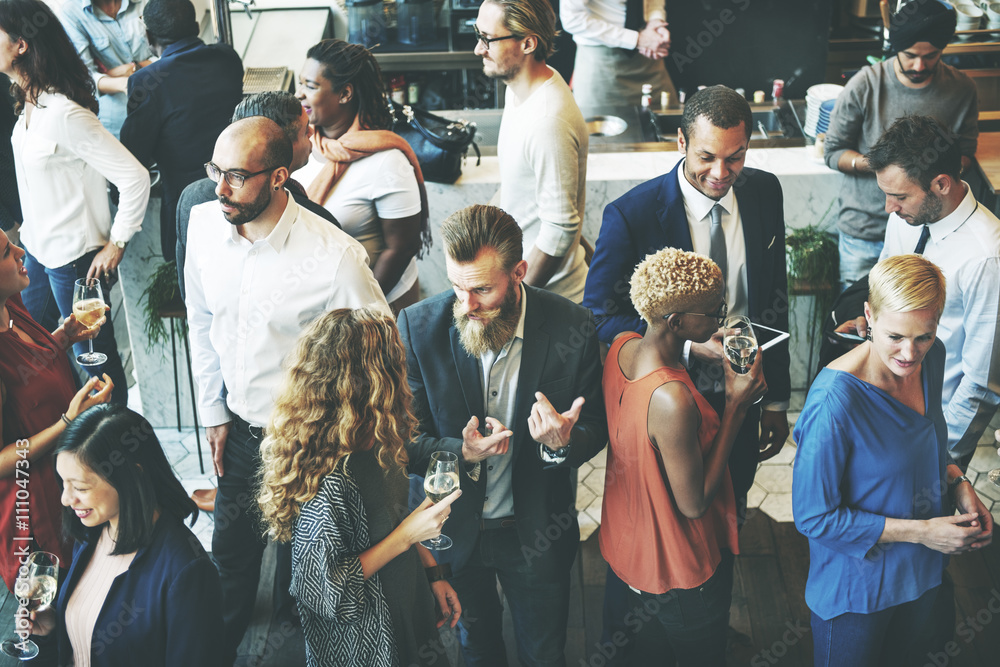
(496, 328)
(915, 76)
(247, 212)
(929, 211)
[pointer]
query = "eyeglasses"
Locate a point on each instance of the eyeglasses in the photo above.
(489, 40)
(720, 314)
(233, 178)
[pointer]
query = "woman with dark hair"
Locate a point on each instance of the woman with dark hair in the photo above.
(110, 38)
(380, 200)
(141, 588)
(334, 485)
(63, 157)
(873, 488)
(39, 398)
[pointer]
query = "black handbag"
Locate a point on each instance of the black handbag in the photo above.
(439, 143)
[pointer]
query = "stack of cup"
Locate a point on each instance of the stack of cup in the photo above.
(970, 17)
(993, 18)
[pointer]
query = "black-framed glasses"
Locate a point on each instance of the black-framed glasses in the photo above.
(234, 178)
(719, 315)
(489, 40)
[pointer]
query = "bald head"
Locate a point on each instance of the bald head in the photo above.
(260, 141)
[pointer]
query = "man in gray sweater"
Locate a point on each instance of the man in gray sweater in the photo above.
(914, 81)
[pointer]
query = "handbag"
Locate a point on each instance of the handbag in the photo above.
(440, 144)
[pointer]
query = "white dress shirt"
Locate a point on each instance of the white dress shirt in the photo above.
(63, 161)
(699, 216)
(248, 302)
(965, 245)
(602, 22)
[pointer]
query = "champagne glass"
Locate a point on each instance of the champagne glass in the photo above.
(441, 479)
(740, 344)
(88, 306)
(35, 587)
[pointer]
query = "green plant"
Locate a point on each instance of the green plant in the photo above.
(162, 292)
(813, 263)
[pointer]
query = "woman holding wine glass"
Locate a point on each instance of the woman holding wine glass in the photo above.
(39, 398)
(140, 590)
(667, 475)
(334, 486)
(872, 488)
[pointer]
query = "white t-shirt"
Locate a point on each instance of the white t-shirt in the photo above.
(382, 186)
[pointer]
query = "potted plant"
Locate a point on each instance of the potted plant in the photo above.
(813, 262)
(162, 296)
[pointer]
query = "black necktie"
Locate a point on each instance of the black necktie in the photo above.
(925, 234)
(634, 19)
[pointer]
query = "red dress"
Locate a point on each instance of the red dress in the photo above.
(38, 386)
(644, 536)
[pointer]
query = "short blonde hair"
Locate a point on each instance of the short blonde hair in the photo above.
(674, 281)
(903, 283)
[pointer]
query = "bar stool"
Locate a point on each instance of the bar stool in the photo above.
(177, 314)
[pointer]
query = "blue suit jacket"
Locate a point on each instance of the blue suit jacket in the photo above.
(165, 610)
(560, 358)
(177, 108)
(651, 216)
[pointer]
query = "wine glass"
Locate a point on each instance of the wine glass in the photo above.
(441, 479)
(740, 344)
(88, 306)
(35, 587)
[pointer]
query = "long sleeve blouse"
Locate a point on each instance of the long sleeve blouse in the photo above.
(864, 456)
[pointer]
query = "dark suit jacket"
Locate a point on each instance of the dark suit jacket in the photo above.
(651, 216)
(177, 108)
(560, 358)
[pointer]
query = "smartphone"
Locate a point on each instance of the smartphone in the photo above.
(848, 337)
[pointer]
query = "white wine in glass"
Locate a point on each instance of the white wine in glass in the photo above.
(37, 588)
(88, 306)
(441, 479)
(739, 343)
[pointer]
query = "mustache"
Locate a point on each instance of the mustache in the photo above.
(491, 314)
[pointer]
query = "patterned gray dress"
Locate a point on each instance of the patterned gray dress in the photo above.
(386, 621)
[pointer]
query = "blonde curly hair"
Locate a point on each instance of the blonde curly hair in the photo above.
(674, 281)
(345, 390)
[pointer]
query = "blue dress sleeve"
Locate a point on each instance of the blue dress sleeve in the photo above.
(824, 435)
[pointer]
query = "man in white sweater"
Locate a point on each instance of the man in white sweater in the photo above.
(542, 145)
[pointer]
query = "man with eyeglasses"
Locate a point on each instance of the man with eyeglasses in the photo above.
(259, 269)
(543, 141)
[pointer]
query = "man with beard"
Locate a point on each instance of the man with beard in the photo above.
(259, 269)
(508, 378)
(933, 212)
(915, 79)
(543, 142)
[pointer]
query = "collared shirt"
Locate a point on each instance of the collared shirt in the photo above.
(699, 216)
(62, 161)
(248, 302)
(500, 371)
(965, 245)
(104, 43)
(602, 22)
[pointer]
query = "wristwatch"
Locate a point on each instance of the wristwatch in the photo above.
(120, 244)
(953, 484)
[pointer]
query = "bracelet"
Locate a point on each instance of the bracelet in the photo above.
(66, 420)
(953, 484)
(438, 572)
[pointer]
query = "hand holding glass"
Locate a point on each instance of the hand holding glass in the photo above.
(36, 588)
(88, 306)
(739, 342)
(441, 479)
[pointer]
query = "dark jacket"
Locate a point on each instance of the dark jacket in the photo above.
(651, 216)
(164, 611)
(560, 358)
(177, 108)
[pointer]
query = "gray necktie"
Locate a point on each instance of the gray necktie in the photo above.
(717, 251)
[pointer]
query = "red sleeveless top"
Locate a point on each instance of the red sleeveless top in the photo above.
(38, 385)
(644, 536)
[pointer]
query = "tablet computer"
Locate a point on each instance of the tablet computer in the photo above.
(768, 337)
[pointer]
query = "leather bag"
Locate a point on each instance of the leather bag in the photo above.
(439, 143)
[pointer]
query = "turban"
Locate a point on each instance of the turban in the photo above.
(921, 21)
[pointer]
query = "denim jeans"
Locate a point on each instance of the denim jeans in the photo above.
(857, 257)
(49, 299)
(539, 605)
(903, 635)
(694, 621)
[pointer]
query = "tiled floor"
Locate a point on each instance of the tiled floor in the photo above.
(772, 489)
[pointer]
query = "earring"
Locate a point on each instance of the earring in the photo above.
(869, 334)
(276, 188)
